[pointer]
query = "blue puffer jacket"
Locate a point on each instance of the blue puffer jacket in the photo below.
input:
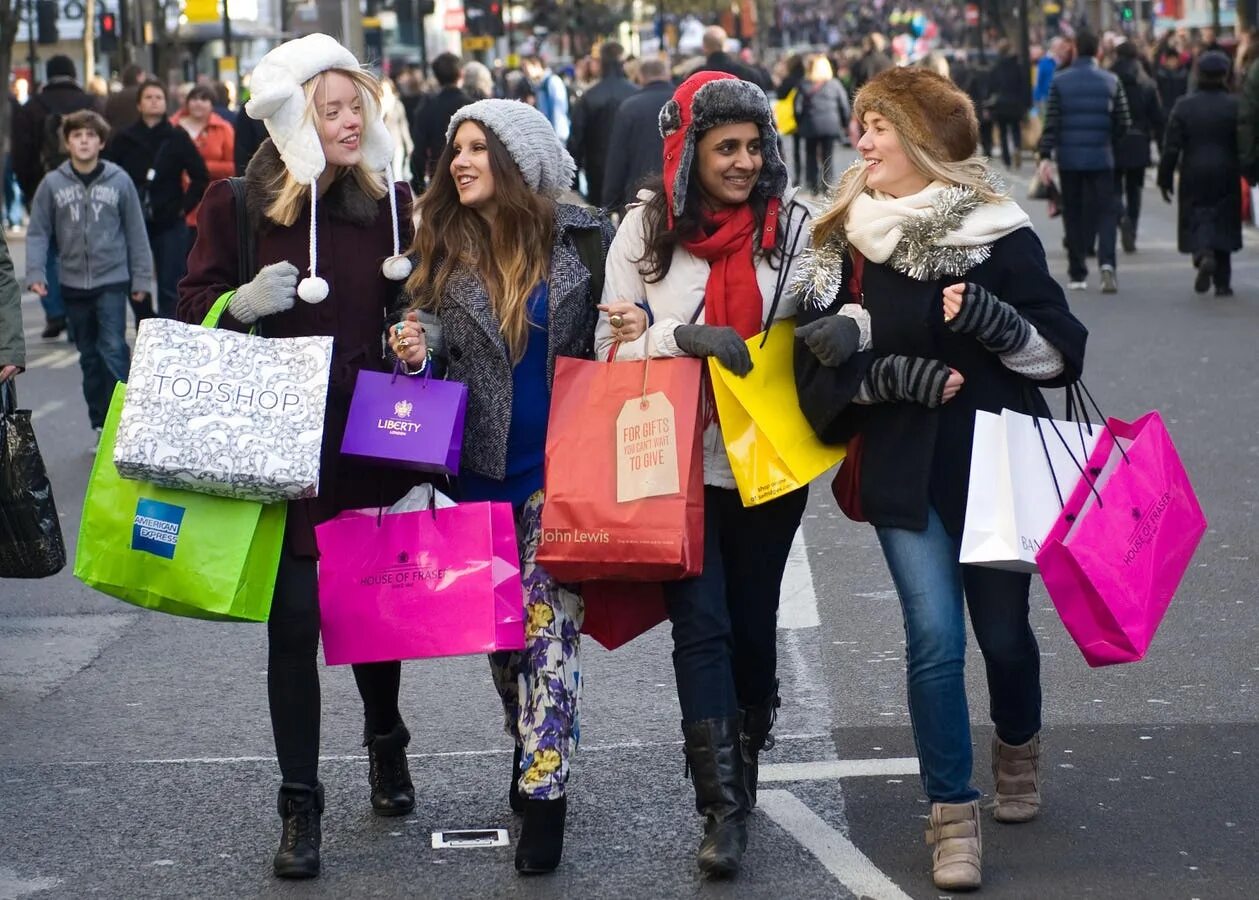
(1087, 114)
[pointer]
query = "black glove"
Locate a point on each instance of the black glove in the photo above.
(911, 378)
(1166, 192)
(833, 339)
(720, 341)
(994, 323)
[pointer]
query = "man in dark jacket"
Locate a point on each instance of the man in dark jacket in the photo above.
(1202, 140)
(432, 118)
(1172, 77)
(718, 60)
(636, 149)
(1086, 117)
(38, 148)
(594, 116)
(1009, 93)
(157, 155)
(1132, 154)
(121, 109)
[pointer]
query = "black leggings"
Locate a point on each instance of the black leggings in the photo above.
(293, 674)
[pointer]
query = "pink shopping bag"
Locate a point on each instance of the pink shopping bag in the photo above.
(1121, 545)
(417, 585)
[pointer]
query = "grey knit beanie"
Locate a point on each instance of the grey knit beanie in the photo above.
(529, 138)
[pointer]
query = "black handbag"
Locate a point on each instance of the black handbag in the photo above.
(31, 545)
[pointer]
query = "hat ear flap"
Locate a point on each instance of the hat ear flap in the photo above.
(270, 94)
(670, 118)
(378, 145)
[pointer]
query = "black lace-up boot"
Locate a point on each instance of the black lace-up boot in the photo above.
(757, 722)
(300, 808)
(393, 794)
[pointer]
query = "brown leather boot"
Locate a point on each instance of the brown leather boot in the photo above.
(954, 830)
(1016, 773)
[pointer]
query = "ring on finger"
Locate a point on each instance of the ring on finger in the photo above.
(616, 320)
(403, 344)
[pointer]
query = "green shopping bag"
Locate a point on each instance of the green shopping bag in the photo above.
(179, 552)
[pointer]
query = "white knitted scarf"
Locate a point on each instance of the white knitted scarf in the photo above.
(876, 224)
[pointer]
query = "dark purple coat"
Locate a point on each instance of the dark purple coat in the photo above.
(354, 239)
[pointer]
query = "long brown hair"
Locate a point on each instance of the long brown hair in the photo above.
(511, 255)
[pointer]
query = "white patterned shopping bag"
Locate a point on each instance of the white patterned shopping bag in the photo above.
(224, 413)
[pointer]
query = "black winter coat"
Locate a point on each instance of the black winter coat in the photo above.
(1201, 140)
(428, 129)
(27, 129)
(1009, 88)
(1133, 149)
(169, 151)
(636, 149)
(593, 118)
(914, 456)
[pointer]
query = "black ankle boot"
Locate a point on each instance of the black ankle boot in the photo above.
(53, 327)
(755, 737)
(514, 799)
(541, 835)
(300, 808)
(392, 791)
(715, 760)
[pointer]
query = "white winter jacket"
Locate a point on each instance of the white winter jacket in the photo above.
(677, 299)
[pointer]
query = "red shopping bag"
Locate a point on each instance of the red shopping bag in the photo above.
(1122, 544)
(624, 472)
(417, 585)
(619, 611)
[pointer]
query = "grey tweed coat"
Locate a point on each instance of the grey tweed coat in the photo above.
(466, 344)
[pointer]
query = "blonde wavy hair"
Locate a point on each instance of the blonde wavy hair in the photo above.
(971, 173)
(291, 195)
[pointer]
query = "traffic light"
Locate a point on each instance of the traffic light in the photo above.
(46, 13)
(484, 17)
(108, 40)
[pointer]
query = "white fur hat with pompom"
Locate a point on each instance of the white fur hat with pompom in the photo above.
(278, 98)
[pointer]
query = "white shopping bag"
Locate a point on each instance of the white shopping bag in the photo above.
(224, 413)
(1018, 483)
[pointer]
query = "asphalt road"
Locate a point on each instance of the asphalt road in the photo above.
(136, 757)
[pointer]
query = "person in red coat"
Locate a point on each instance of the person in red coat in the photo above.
(315, 184)
(214, 137)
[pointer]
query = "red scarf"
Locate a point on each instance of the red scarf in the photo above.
(732, 296)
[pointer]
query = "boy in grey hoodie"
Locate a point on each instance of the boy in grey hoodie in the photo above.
(91, 208)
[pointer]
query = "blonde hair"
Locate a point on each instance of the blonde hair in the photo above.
(820, 69)
(291, 195)
(971, 173)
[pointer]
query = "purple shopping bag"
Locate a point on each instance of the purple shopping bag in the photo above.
(418, 585)
(1121, 545)
(405, 421)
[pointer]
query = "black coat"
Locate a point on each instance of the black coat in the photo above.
(169, 151)
(1009, 88)
(724, 62)
(27, 129)
(1201, 140)
(1133, 149)
(428, 129)
(636, 149)
(593, 118)
(914, 456)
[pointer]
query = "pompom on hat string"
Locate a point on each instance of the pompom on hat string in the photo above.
(278, 98)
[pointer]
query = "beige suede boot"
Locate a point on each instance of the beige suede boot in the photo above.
(1016, 772)
(954, 830)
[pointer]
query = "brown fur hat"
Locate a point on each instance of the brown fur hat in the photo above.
(926, 109)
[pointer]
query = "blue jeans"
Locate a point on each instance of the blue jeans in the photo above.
(931, 584)
(170, 260)
(725, 650)
(100, 333)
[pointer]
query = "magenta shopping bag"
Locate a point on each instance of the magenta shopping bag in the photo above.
(1118, 551)
(411, 422)
(417, 585)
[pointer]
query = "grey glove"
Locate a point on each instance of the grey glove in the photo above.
(833, 339)
(910, 378)
(272, 291)
(720, 341)
(994, 323)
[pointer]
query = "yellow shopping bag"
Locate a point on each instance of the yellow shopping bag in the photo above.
(771, 446)
(785, 113)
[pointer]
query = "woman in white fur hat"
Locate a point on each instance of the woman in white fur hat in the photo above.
(320, 184)
(507, 280)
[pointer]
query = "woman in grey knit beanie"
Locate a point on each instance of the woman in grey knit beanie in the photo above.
(505, 281)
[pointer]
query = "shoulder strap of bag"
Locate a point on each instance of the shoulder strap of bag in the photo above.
(245, 261)
(589, 243)
(855, 288)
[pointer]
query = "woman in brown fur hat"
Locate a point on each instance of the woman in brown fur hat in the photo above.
(928, 298)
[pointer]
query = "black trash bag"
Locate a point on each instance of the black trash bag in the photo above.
(31, 545)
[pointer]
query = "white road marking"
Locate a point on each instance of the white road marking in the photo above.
(66, 361)
(839, 855)
(832, 769)
(12, 886)
(797, 607)
(48, 360)
(46, 409)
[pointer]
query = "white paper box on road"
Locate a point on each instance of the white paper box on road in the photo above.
(224, 413)
(1012, 501)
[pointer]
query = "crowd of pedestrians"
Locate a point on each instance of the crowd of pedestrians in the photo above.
(511, 259)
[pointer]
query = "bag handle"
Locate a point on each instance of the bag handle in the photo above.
(8, 398)
(781, 281)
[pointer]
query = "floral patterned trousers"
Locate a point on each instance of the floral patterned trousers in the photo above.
(540, 686)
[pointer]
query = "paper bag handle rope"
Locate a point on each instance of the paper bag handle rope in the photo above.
(646, 364)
